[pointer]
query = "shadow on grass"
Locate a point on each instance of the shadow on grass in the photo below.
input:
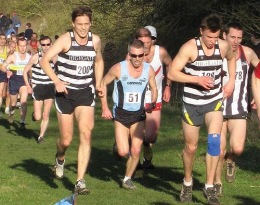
(43, 171)
(246, 200)
(249, 160)
(14, 129)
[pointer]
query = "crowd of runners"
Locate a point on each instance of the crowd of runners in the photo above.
(215, 70)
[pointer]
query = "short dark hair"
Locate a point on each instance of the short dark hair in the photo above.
(143, 32)
(45, 38)
(135, 43)
(81, 11)
(2, 34)
(21, 39)
(233, 24)
(29, 25)
(212, 22)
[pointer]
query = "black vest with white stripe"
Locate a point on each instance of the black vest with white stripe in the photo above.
(38, 75)
(237, 103)
(204, 66)
(76, 66)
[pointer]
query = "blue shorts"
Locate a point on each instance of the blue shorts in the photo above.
(3, 77)
(15, 83)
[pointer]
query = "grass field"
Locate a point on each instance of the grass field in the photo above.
(26, 167)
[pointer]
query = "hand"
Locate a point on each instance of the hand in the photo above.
(100, 91)
(149, 107)
(9, 73)
(206, 82)
(61, 86)
(29, 89)
(106, 114)
(228, 89)
(167, 94)
(253, 104)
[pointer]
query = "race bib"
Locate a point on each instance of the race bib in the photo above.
(239, 75)
(133, 97)
(83, 70)
(19, 72)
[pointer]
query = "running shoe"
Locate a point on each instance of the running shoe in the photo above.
(40, 140)
(22, 126)
(219, 189)
(128, 184)
(147, 164)
(211, 196)
(58, 169)
(186, 193)
(80, 187)
(230, 171)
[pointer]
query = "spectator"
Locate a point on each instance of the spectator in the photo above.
(4, 23)
(28, 32)
(16, 22)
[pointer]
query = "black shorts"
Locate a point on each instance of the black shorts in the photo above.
(43, 91)
(66, 103)
(128, 118)
(15, 83)
(194, 114)
(238, 116)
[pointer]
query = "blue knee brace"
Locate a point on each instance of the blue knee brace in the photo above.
(214, 144)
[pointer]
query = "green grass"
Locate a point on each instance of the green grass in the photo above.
(26, 167)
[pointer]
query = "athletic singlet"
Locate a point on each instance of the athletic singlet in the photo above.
(34, 45)
(18, 66)
(76, 66)
(129, 92)
(158, 69)
(3, 57)
(204, 66)
(237, 103)
(38, 75)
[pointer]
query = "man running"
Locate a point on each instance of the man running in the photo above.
(202, 60)
(79, 66)
(42, 88)
(236, 106)
(17, 62)
(131, 78)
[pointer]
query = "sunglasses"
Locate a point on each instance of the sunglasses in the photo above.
(47, 44)
(135, 56)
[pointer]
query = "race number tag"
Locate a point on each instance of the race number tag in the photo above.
(133, 97)
(83, 70)
(19, 72)
(208, 73)
(239, 75)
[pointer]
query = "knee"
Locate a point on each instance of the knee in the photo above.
(37, 117)
(45, 116)
(135, 152)
(150, 139)
(214, 144)
(65, 143)
(190, 149)
(238, 151)
(123, 153)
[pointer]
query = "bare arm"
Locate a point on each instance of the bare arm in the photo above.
(60, 45)
(33, 60)
(112, 74)
(187, 53)
(166, 60)
(152, 85)
(231, 63)
(99, 63)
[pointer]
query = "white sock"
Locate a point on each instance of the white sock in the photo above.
(187, 183)
(126, 178)
(209, 186)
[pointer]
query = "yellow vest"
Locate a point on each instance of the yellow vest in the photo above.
(3, 56)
